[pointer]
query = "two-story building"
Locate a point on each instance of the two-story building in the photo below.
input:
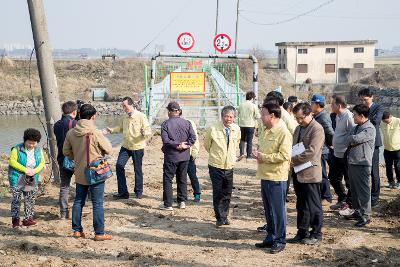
(325, 62)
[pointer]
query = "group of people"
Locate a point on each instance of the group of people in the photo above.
(296, 142)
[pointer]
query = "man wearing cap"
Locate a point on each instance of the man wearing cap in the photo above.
(177, 136)
(323, 118)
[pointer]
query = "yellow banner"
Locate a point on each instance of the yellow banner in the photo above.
(191, 83)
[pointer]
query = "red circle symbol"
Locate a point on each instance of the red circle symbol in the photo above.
(185, 41)
(222, 42)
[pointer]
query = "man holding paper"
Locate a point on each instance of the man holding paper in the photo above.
(273, 158)
(308, 140)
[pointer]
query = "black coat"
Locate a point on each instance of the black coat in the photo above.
(375, 117)
(61, 128)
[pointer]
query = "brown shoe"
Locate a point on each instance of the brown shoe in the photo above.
(102, 237)
(28, 222)
(78, 234)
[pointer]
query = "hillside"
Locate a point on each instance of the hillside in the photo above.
(122, 77)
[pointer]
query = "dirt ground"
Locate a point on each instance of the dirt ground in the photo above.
(146, 236)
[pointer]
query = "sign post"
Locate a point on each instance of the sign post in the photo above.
(185, 41)
(222, 42)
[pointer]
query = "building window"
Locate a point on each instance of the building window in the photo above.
(279, 66)
(358, 49)
(284, 51)
(284, 66)
(358, 65)
(302, 51)
(330, 50)
(280, 51)
(302, 68)
(329, 68)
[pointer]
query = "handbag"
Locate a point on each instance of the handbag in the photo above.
(68, 163)
(26, 183)
(96, 171)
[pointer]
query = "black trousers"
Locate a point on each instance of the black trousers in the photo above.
(246, 137)
(309, 208)
(169, 170)
(325, 185)
(375, 179)
(392, 158)
(222, 184)
(338, 171)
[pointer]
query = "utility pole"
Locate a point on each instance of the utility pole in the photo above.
(237, 25)
(48, 83)
(216, 24)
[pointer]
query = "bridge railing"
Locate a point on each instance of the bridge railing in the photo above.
(228, 91)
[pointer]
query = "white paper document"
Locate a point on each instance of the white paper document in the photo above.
(303, 166)
(297, 149)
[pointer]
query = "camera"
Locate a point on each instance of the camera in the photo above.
(79, 104)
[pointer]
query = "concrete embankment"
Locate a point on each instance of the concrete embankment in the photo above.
(26, 107)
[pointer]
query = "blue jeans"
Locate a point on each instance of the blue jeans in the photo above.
(194, 180)
(274, 199)
(137, 157)
(97, 194)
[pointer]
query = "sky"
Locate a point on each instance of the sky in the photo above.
(132, 24)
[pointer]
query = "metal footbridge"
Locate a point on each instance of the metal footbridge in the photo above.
(204, 108)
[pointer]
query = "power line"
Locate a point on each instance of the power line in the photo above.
(316, 16)
(165, 28)
(292, 18)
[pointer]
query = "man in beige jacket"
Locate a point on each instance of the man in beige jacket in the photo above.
(136, 131)
(75, 147)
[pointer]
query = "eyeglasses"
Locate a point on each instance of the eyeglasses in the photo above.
(299, 118)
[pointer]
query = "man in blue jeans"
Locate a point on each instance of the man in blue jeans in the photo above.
(136, 130)
(85, 143)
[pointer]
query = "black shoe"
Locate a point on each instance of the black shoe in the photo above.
(262, 229)
(362, 222)
(219, 223)
(355, 216)
(296, 240)
(276, 248)
(227, 222)
(264, 244)
(121, 196)
(312, 241)
(138, 196)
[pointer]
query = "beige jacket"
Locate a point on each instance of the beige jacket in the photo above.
(75, 147)
(313, 141)
(220, 155)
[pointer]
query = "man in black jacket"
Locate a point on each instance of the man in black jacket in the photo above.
(323, 118)
(61, 128)
(366, 96)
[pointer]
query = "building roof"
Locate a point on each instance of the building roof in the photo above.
(357, 42)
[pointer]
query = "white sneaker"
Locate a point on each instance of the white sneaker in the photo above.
(163, 207)
(346, 212)
(182, 205)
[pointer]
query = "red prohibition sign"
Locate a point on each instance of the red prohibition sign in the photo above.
(222, 42)
(185, 41)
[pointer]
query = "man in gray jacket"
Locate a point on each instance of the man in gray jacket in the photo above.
(360, 152)
(338, 170)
